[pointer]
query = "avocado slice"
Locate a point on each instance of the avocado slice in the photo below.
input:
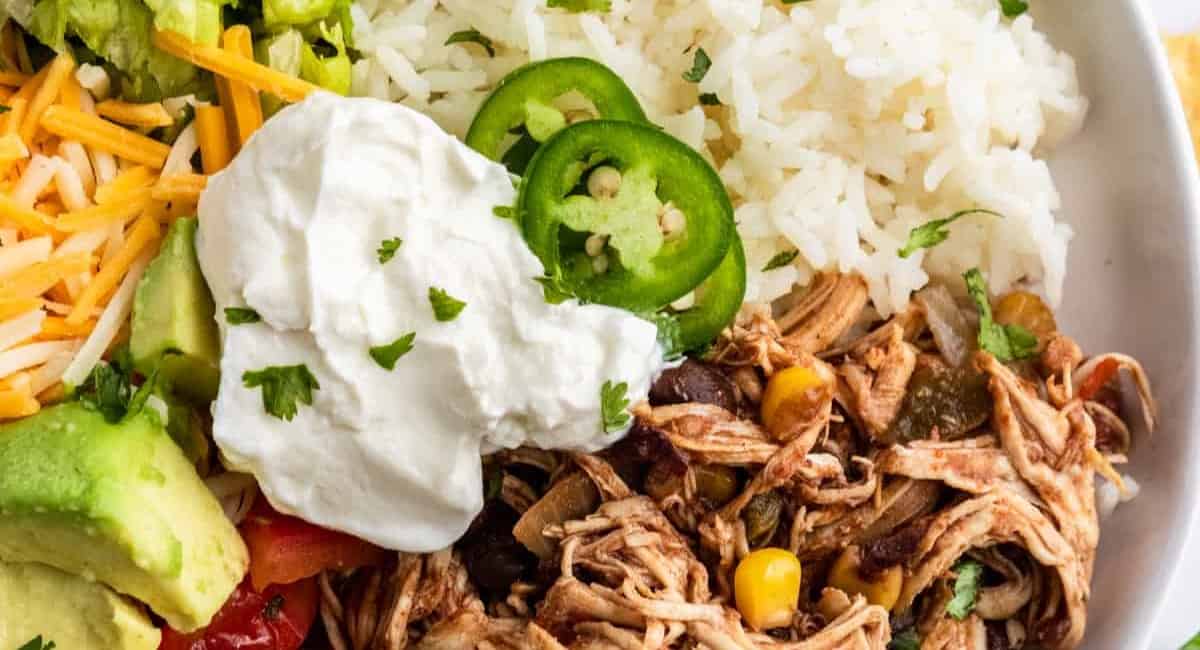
(39, 600)
(173, 322)
(118, 503)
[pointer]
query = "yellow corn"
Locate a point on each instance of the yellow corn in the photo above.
(141, 115)
(883, 590)
(766, 588)
(97, 132)
(786, 386)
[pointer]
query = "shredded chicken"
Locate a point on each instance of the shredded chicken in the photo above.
(624, 570)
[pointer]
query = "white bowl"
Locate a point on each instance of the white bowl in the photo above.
(1130, 189)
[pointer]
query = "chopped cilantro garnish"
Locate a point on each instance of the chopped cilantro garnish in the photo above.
(613, 403)
(109, 388)
(579, 6)
(1013, 8)
(387, 249)
(387, 355)
(472, 36)
(445, 307)
(1005, 342)
(700, 65)
(505, 212)
(241, 315)
(670, 334)
(781, 260)
(282, 387)
(969, 576)
(935, 232)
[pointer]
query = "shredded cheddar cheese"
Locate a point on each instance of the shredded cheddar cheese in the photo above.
(247, 107)
(180, 187)
(144, 233)
(104, 214)
(215, 152)
(234, 67)
(58, 71)
(140, 115)
(77, 229)
(96, 132)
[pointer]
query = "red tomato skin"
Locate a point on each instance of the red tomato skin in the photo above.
(244, 624)
(285, 549)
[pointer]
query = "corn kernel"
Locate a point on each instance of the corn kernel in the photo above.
(766, 588)
(884, 590)
(785, 386)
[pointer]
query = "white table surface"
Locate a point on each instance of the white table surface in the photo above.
(1180, 619)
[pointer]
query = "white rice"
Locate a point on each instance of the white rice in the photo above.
(849, 121)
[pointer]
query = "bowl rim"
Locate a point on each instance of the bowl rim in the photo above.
(1183, 157)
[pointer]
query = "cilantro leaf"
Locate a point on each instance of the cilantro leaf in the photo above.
(387, 355)
(505, 212)
(273, 607)
(1005, 342)
(1192, 644)
(36, 643)
(906, 640)
(555, 289)
(579, 6)
(241, 315)
(110, 390)
(445, 307)
(138, 402)
(935, 232)
(612, 406)
(966, 588)
(387, 249)
(709, 99)
(106, 390)
(700, 65)
(473, 36)
(1013, 8)
(282, 387)
(781, 260)
(670, 334)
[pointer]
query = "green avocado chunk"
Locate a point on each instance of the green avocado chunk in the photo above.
(120, 504)
(39, 600)
(173, 316)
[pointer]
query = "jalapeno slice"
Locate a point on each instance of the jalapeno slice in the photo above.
(718, 300)
(657, 179)
(522, 105)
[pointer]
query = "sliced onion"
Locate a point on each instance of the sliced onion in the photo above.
(574, 497)
(949, 327)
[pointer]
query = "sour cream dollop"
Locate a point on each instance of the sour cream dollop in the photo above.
(292, 229)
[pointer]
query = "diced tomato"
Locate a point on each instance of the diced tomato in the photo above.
(1104, 372)
(278, 618)
(285, 549)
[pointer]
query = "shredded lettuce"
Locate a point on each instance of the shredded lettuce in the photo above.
(119, 31)
(294, 13)
(199, 20)
(288, 52)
